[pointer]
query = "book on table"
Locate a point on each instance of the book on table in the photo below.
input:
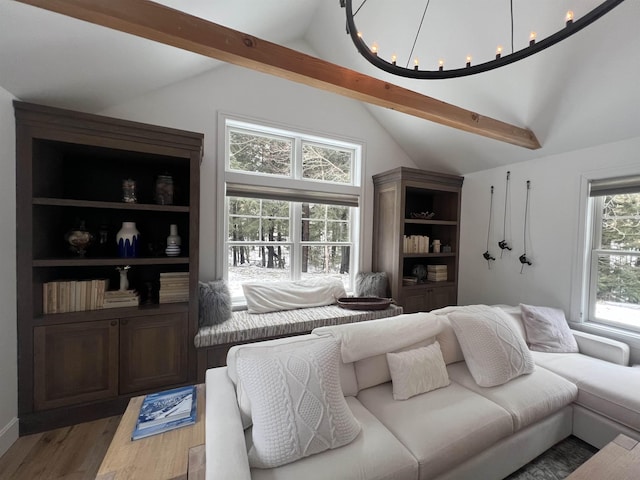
(167, 410)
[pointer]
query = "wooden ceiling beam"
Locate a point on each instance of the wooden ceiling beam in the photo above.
(172, 27)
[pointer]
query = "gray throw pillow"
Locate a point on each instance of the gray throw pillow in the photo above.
(547, 330)
(215, 303)
(371, 284)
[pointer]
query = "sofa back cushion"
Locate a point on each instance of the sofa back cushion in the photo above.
(346, 370)
(366, 344)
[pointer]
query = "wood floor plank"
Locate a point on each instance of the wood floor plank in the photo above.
(69, 453)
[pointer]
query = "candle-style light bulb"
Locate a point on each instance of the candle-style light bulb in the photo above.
(468, 61)
(393, 58)
(498, 52)
(440, 64)
(415, 64)
(374, 49)
(359, 34)
(569, 17)
(532, 38)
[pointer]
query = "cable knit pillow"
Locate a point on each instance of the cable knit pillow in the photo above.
(495, 353)
(547, 330)
(297, 405)
(417, 371)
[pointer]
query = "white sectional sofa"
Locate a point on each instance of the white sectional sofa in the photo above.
(459, 431)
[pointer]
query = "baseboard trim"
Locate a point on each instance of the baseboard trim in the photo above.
(8, 435)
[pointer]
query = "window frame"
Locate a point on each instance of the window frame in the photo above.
(589, 234)
(595, 252)
(271, 184)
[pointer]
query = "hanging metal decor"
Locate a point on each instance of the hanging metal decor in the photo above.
(503, 244)
(487, 256)
(523, 258)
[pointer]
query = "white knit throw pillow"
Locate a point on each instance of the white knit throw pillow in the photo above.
(297, 405)
(494, 352)
(416, 371)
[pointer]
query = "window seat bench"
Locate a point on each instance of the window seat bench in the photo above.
(213, 343)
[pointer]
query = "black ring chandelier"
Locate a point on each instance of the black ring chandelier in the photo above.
(370, 52)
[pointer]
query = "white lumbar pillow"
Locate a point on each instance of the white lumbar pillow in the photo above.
(297, 405)
(277, 296)
(417, 371)
(495, 353)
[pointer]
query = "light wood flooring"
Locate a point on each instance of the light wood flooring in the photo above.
(69, 453)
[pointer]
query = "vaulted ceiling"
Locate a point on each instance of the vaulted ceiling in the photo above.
(579, 93)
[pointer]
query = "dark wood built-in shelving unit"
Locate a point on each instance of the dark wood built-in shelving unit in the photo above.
(82, 365)
(397, 194)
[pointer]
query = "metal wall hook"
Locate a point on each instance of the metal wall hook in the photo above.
(503, 244)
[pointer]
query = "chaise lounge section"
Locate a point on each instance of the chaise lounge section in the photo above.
(455, 431)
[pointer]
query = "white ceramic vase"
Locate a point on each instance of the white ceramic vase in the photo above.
(173, 242)
(128, 238)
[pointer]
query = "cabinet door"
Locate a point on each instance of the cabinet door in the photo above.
(438, 297)
(413, 300)
(75, 363)
(153, 351)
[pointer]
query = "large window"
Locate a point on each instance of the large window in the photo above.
(614, 276)
(291, 206)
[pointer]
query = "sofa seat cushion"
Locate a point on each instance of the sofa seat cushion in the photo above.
(607, 388)
(374, 454)
(527, 398)
(442, 428)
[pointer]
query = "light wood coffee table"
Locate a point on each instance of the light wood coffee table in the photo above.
(177, 454)
(619, 459)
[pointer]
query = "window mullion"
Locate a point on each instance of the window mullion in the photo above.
(296, 234)
(297, 158)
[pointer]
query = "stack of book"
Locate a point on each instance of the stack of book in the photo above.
(437, 273)
(63, 296)
(408, 281)
(121, 298)
(164, 411)
(174, 287)
(415, 244)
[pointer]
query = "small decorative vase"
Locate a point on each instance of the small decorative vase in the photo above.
(79, 239)
(129, 191)
(173, 242)
(124, 280)
(128, 238)
(164, 190)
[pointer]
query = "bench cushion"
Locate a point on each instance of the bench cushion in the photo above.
(245, 326)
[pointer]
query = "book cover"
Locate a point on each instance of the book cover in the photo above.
(167, 410)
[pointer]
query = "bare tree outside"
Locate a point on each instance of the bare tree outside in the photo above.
(260, 243)
(618, 281)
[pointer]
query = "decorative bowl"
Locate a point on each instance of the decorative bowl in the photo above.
(364, 303)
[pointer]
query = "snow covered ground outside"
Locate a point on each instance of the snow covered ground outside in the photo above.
(624, 314)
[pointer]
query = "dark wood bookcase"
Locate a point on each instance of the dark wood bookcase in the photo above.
(399, 195)
(82, 365)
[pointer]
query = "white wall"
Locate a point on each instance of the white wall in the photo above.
(553, 226)
(8, 335)
(194, 105)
